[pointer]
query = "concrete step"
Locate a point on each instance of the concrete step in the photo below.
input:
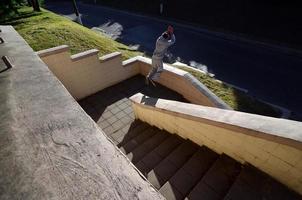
(258, 185)
(218, 179)
(180, 169)
(136, 141)
(146, 147)
(174, 161)
(179, 186)
(147, 163)
(124, 136)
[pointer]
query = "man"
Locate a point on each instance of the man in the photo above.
(162, 44)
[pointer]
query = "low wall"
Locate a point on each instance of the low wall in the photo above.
(184, 83)
(272, 145)
(85, 73)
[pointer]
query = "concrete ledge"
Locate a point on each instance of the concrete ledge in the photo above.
(52, 51)
(283, 131)
(84, 54)
(166, 67)
(272, 145)
(49, 147)
(129, 62)
(110, 56)
(208, 93)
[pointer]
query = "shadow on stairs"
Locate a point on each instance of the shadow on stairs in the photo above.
(181, 169)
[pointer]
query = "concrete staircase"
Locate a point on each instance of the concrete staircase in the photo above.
(181, 169)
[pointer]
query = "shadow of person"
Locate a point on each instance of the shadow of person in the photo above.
(149, 101)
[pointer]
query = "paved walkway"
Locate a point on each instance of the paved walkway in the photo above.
(111, 109)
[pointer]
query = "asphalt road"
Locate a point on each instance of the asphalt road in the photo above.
(267, 73)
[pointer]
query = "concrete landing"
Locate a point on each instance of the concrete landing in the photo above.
(111, 109)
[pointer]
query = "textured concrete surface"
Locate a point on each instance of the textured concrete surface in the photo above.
(49, 147)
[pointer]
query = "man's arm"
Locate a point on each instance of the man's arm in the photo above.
(171, 33)
(172, 40)
(165, 42)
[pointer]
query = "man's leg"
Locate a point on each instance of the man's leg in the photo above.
(152, 72)
(160, 69)
(150, 76)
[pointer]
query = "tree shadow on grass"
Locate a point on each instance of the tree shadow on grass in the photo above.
(13, 20)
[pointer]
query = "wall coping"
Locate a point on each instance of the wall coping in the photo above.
(110, 56)
(282, 131)
(130, 61)
(84, 54)
(166, 67)
(53, 51)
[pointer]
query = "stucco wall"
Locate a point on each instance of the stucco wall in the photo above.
(272, 145)
(184, 83)
(85, 73)
(177, 83)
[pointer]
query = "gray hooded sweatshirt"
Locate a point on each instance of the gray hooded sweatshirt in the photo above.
(162, 45)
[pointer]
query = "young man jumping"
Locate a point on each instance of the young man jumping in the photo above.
(162, 44)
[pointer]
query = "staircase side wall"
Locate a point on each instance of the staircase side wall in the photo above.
(272, 145)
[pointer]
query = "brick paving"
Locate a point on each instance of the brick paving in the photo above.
(111, 108)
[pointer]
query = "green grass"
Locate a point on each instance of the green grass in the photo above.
(43, 30)
(236, 99)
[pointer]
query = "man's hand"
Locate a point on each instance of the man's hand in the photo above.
(170, 30)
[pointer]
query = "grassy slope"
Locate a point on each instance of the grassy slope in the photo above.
(45, 30)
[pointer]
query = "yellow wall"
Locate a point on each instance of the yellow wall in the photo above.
(85, 73)
(282, 162)
(89, 74)
(179, 84)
